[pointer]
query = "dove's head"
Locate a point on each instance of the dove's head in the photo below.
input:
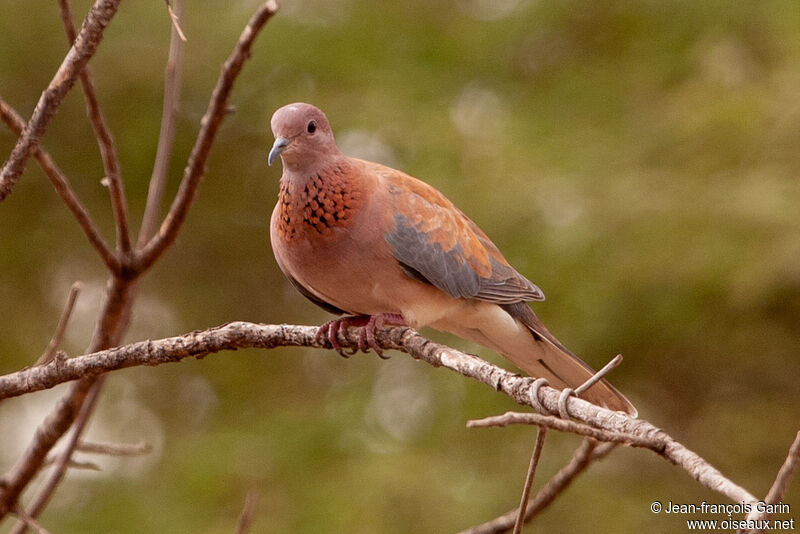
(303, 137)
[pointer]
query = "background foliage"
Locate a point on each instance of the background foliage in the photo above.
(637, 160)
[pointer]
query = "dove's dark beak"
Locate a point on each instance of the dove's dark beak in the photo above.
(281, 144)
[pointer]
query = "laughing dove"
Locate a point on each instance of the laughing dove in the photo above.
(359, 238)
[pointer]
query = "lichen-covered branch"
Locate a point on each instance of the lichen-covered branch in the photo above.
(238, 335)
(565, 425)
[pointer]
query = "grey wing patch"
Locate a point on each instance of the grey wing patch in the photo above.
(414, 274)
(449, 270)
(328, 307)
(429, 262)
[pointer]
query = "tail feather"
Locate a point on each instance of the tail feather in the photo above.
(514, 331)
(561, 366)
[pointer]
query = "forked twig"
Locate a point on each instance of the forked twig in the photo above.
(64, 460)
(61, 328)
(584, 455)
(77, 405)
(114, 316)
(166, 136)
(545, 422)
(62, 186)
(82, 50)
(29, 521)
(209, 125)
(110, 326)
(105, 141)
(565, 425)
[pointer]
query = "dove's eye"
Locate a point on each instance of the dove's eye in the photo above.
(312, 127)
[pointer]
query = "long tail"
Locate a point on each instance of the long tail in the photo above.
(560, 365)
(514, 331)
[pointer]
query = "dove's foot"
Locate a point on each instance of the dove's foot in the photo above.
(368, 324)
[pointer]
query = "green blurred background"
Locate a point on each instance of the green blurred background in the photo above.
(637, 160)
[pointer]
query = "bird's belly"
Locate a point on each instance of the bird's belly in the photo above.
(344, 273)
(361, 278)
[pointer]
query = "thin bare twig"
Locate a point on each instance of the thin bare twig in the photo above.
(105, 140)
(74, 464)
(86, 466)
(565, 425)
(209, 125)
(62, 186)
(111, 324)
(175, 16)
(115, 449)
(541, 433)
(567, 392)
(64, 460)
(82, 50)
(61, 328)
(785, 473)
(30, 522)
(45, 437)
(598, 375)
(246, 516)
(583, 456)
(166, 137)
(781, 484)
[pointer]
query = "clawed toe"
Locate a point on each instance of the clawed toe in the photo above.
(330, 331)
(367, 341)
(366, 336)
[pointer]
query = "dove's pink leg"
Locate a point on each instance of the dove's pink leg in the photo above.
(366, 337)
(330, 330)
